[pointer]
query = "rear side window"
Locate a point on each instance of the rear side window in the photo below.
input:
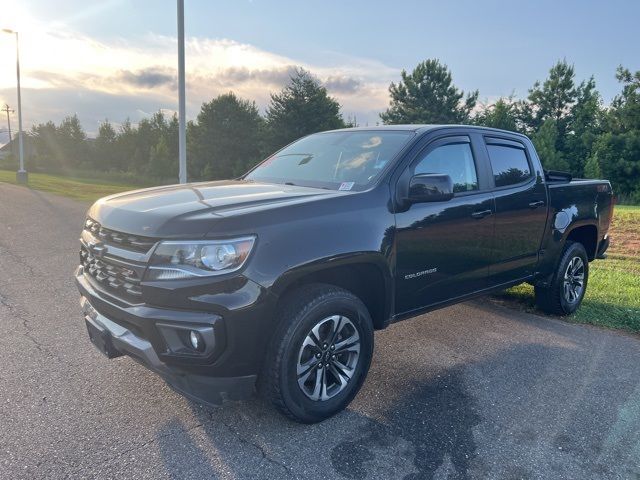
(455, 160)
(509, 165)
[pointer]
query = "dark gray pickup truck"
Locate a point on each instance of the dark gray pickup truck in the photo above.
(277, 280)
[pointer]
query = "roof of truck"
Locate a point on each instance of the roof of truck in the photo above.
(420, 128)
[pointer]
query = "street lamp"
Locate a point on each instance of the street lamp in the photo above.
(182, 135)
(21, 175)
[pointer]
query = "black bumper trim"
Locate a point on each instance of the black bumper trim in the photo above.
(143, 321)
(114, 340)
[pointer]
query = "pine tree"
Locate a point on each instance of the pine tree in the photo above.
(428, 95)
(592, 168)
(553, 98)
(584, 126)
(501, 114)
(301, 108)
(545, 142)
(225, 140)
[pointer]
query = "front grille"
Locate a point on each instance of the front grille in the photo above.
(121, 280)
(125, 240)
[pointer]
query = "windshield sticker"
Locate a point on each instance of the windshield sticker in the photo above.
(346, 185)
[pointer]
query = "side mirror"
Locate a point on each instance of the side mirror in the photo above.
(430, 187)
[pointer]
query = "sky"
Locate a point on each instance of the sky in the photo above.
(116, 59)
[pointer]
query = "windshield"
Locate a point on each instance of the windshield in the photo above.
(334, 160)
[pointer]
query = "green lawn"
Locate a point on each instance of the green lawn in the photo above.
(83, 189)
(613, 293)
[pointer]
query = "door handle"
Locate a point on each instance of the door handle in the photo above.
(539, 203)
(481, 214)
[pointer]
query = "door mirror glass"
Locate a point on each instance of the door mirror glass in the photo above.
(430, 187)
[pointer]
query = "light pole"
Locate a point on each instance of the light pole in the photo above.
(182, 126)
(21, 175)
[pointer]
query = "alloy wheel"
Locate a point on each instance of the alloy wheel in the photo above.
(573, 284)
(328, 358)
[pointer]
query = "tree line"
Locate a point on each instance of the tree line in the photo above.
(567, 120)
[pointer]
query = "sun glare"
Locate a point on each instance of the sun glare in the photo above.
(16, 18)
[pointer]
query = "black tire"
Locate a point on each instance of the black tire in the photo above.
(554, 299)
(308, 307)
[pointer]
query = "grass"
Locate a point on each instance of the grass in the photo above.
(82, 189)
(613, 293)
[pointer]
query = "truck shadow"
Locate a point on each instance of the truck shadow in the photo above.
(431, 422)
(518, 412)
(436, 418)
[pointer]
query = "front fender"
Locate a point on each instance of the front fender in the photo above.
(362, 272)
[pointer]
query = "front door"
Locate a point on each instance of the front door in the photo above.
(443, 249)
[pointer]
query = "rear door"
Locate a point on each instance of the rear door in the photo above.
(443, 249)
(520, 210)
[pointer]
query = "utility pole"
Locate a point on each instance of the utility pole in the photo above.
(21, 175)
(182, 126)
(8, 110)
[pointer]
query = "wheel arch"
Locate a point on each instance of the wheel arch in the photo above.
(587, 235)
(365, 275)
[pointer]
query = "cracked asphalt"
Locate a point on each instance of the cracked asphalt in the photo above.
(471, 391)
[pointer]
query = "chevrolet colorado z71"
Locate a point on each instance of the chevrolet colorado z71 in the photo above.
(277, 280)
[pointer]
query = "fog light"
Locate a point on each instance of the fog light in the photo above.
(196, 340)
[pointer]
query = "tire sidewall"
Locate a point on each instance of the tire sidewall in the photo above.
(299, 404)
(574, 250)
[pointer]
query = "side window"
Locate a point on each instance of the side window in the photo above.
(455, 160)
(509, 165)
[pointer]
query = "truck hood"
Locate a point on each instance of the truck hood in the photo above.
(189, 210)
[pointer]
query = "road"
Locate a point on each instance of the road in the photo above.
(471, 391)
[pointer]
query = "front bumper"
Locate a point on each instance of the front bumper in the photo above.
(135, 331)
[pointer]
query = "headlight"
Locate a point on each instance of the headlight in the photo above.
(177, 260)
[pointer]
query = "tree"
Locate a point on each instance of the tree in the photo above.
(171, 136)
(301, 108)
(72, 146)
(625, 107)
(619, 158)
(105, 155)
(125, 146)
(225, 140)
(45, 139)
(545, 142)
(592, 168)
(553, 98)
(584, 125)
(501, 114)
(576, 114)
(161, 163)
(618, 148)
(427, 95)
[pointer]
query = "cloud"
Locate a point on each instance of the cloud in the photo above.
(342, 84)
(92, 107)
(149, 77)
(275, 76)
(65, 72)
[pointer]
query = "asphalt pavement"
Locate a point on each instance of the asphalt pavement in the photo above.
(471, 391)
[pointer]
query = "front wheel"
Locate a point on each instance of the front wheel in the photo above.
(320, 353)
(569, 283)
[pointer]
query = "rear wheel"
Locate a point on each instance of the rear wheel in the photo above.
(569, 283)
(319, 355)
